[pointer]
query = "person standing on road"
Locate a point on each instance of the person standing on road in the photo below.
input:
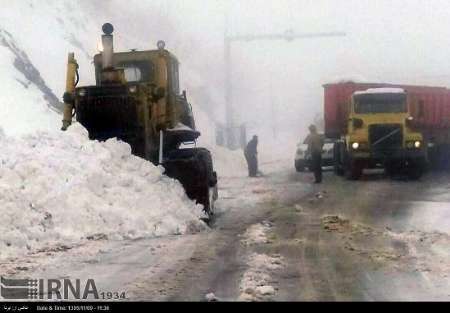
(315, 145)
(251, 155)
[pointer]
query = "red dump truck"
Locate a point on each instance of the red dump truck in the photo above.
(399, 127)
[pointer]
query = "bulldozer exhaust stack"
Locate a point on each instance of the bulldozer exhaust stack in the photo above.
(108, 46)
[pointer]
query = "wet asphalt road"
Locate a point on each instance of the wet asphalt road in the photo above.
(390, 242)
(374, 239)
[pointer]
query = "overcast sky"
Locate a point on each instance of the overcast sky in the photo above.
(399, 41)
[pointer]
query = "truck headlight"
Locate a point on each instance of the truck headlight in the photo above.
(132, 89)
(355, 145)
(414, 144)
(82, 92)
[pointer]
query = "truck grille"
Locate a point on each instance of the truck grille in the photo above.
(385, 136)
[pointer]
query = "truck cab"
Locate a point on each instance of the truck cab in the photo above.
(379, 133)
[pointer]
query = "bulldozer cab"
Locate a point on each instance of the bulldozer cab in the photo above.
(135, 98)
(157, 67)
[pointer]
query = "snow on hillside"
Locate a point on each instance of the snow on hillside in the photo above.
(35, 37)
(65, 188)
(47, 31)
(24, 105)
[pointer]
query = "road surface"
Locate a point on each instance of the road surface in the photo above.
(278, 238)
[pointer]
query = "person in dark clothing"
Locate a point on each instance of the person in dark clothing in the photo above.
(251, 155)
(315, 146)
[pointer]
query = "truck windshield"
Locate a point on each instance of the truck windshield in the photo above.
(137, 71)
(383, 103)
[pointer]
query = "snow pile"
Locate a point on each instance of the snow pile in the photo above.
(227, 163)
(256, 234)
(211, 297)
(256, 282)
(64, 188)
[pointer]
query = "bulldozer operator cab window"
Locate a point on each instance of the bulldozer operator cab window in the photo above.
(382, 103)
(137, 72)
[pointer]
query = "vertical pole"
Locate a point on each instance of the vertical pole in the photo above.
(272, 108)
(161, 144)
(228, 95)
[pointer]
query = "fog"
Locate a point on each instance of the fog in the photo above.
(278, 83)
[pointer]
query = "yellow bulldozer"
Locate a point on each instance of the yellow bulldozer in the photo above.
(137, 99)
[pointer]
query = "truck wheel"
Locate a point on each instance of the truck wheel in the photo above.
(353, 170)
(210, 200)
(390, 169)
(415, 170)
(211, 190)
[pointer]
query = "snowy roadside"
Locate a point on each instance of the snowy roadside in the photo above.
(63, 189)
(151, 268)
(257, 281)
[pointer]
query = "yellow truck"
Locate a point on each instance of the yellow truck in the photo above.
(377, 125)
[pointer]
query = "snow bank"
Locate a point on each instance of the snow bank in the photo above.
(64, 188)
(227, 163)
(255, 284)
(256, 234)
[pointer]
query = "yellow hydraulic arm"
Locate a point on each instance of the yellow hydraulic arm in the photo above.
(71, 82)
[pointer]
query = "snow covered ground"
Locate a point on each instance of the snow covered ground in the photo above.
(226, 162)
(64, 188)
(153, 268)
(256, 281)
